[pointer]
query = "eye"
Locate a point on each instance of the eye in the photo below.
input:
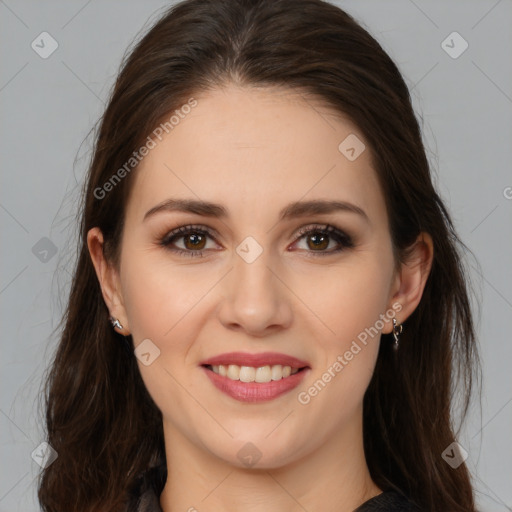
(318, 238)
(194, 240)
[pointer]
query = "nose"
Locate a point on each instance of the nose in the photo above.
(256, 299)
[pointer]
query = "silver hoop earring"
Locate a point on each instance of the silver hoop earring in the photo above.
(397, 330)
(115, 322)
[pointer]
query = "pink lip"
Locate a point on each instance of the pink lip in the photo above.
(255, 391)
(255, 360)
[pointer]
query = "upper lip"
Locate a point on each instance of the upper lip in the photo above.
(255, 360)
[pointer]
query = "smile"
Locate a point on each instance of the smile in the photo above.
(251, 374)
(255, 377)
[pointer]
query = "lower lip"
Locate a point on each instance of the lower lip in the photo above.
(255, 391)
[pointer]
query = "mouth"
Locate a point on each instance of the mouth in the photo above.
(255, 377)
(261, 374)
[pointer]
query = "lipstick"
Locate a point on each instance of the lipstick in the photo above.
(255, 377)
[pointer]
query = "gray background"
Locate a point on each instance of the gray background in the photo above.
(49, 106)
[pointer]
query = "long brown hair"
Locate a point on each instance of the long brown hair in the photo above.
(100, 418)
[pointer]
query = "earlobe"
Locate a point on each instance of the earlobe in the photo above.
(108, 279)
(411, 280)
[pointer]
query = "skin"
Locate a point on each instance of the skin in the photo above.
(254, 151)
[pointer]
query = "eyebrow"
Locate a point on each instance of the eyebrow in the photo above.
(295, 209)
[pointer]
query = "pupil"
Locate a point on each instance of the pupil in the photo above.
(195, 240)
(319, 241)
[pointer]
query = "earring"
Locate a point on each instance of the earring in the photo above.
(115, 322)
(397, 330)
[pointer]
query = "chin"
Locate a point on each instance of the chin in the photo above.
(258, 453)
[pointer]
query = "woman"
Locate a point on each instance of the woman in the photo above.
(269, 308)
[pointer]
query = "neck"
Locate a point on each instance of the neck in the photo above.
(334, 478)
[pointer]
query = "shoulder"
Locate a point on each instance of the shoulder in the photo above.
(388, 501)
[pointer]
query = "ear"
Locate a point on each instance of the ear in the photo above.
(409, 282)
(108, 278)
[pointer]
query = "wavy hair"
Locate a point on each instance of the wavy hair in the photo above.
(100, 418)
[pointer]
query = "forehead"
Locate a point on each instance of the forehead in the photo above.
(255, 150)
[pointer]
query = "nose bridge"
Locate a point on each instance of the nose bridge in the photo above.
(254, 284)
(254, 299)
(252, 276)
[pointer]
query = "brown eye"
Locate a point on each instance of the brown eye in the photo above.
(187, 240)
(319, 238)
(196, 241)
(319, 241)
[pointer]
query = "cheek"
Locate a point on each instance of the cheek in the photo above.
(159, 295)
(350, 303)
(349, 298)
(168, 304)
(165, 304)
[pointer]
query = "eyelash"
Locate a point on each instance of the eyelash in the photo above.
(342, 238)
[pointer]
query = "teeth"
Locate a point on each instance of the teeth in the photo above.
(233, 372)
(277, 372)
(247, 373)
(263, 374)
(252, 374)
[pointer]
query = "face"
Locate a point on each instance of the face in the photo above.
(257, 281)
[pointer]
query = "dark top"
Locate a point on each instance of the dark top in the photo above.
(146, 493)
